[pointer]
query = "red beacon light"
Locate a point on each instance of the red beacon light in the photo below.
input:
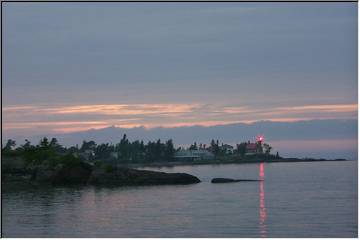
(259, 138)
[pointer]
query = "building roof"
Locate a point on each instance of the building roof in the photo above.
(251, 146)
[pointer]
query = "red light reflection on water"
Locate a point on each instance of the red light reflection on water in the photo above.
(261, 172)
(262, 209)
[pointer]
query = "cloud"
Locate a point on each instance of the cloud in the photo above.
(26, 119)
(322, 108)
(123, 109)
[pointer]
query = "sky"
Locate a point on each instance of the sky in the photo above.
(72, 67)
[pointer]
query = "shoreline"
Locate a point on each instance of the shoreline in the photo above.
(219, 162)
(23, 181)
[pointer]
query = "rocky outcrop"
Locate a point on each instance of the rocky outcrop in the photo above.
(43, 174)
(229, 180)
(13, 165)
(77, 174)
(62, 174)
(83, 173)
(132, 177)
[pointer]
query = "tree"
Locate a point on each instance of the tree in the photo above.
(151, 154)
(102, 151)
(169, 150)
(214, 147)
(124, 140)
(212, 143)
(124, 149)
(158, 150)
(193, 146)
(54, 142)
(267, 148)
(241, 148)
(259, 147)
(27, 144)
(9, 144)
(91, 145)
(44, 143)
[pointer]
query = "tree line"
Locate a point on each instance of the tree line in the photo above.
(125, 151)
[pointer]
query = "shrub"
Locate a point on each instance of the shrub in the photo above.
(109, 169)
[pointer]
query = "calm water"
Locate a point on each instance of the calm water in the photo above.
(316, 199)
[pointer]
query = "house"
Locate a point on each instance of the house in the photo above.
(253, 148)
(193, 155)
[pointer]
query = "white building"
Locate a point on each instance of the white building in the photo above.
(193, 155)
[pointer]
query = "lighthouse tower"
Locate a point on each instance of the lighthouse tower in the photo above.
(259, 143)
(260, 139)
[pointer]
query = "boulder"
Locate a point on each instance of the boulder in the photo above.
(132, 177)
(229, 180)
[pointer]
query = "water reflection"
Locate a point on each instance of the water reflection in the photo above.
(262, 209)
(196, 210)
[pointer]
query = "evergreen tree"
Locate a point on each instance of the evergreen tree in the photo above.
(241, 148)
(27, 144)
(215, 149)
(169, 150)
(9, 145)
(193, 146)
(44, 143)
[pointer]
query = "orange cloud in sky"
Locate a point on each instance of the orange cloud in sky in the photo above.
(132, 125)
(17, 108)
(124, 109)
(53, 123)
(336, 108)
(84, 117)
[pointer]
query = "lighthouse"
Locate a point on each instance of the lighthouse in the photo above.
(259, 143)
(259, 139)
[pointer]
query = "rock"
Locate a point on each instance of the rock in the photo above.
(43, 174)
(229, 180)
(62, 174)
(73, 171)
(132, 177)
(76, 174)
(13, 165)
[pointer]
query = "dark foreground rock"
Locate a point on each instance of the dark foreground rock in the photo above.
(13, 165)
(61, 174)
(132, 177)
(73, 171)
(229, 180)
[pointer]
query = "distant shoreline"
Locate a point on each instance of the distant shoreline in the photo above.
(124, 174)
(219, 162)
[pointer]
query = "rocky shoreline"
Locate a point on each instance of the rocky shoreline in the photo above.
(82, 173)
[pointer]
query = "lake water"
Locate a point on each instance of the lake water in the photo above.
(317, 199)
